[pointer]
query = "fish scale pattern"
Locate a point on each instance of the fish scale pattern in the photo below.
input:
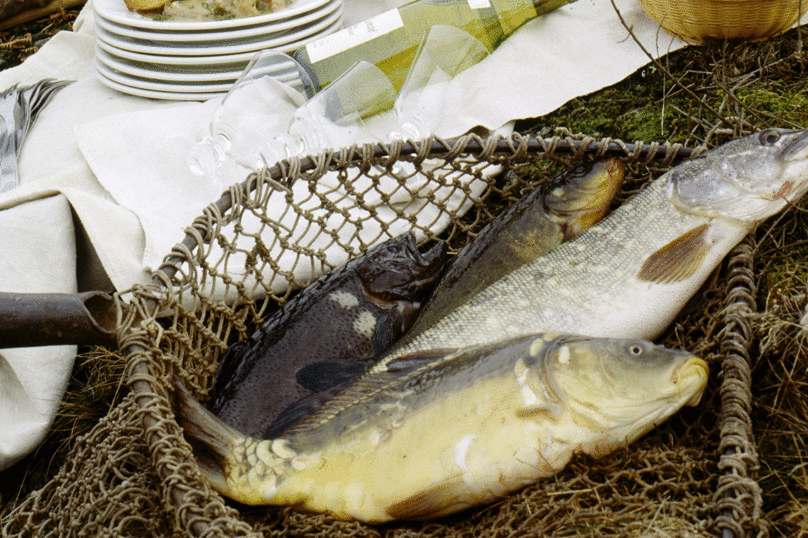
(243, 257)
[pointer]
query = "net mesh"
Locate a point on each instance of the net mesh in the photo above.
(134, 475)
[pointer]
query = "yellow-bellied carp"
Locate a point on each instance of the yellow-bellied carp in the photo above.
(341, 316)
(466, 427)
(628, 276)
(556, 211)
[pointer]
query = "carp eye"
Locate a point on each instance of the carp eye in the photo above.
(635, 349)
(769, 137)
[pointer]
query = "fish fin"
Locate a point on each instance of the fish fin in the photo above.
(392, 324)
(679, 259)
(323, 375)
(553, 411)
(333, 401)
(295, 417)
(417, 359)
(437, 500)
(320, 407)
(209, 437)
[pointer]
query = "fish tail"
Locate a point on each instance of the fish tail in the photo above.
(236, 465)
(212, 440)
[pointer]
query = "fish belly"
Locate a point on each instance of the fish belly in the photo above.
(473, 448)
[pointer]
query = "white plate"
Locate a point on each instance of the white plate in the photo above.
(212, 60)
(218, 35)
(174, 96)
(156, 85)
(227, 46)
(183, 74)
(116, 11)
(169, 72)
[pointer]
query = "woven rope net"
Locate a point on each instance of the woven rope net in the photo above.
(134, 475)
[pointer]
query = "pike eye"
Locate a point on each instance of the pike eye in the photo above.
(635, 349)
(579, 170)
(769, 137)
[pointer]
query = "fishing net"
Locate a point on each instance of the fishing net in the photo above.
(133, 474)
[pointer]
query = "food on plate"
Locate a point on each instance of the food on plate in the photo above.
(202, 10)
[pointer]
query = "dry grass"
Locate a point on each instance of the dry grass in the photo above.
(20, 42)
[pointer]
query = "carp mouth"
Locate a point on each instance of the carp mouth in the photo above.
(693, 372)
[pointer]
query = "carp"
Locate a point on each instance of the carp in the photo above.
(427, 438)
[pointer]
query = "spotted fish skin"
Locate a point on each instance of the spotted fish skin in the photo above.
(372, 298)
(466, 427)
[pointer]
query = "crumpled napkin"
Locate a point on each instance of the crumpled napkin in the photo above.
(37, 255)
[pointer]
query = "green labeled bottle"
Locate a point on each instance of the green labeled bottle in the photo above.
(391, 39)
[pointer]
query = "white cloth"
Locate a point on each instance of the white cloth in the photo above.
(37, 255)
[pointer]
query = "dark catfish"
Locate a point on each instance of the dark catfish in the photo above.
(336, 324)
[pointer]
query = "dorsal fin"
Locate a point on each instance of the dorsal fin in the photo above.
(367, 386)
(679, 259)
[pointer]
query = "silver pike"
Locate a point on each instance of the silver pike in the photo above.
(631, 274)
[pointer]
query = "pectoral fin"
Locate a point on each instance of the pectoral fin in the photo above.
(552, 411)
(320, 376)
(679, 259)
(434, 501)
(392, 324)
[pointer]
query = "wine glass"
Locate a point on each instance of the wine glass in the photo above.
(334, 116)
(444, 53)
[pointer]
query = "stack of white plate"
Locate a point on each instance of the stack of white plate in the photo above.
(202, 59)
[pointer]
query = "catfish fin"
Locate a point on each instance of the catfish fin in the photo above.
(431, 502)
(392, 324)
(679, 259)
(319, 376)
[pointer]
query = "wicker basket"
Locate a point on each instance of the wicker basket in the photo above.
(695, 20)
